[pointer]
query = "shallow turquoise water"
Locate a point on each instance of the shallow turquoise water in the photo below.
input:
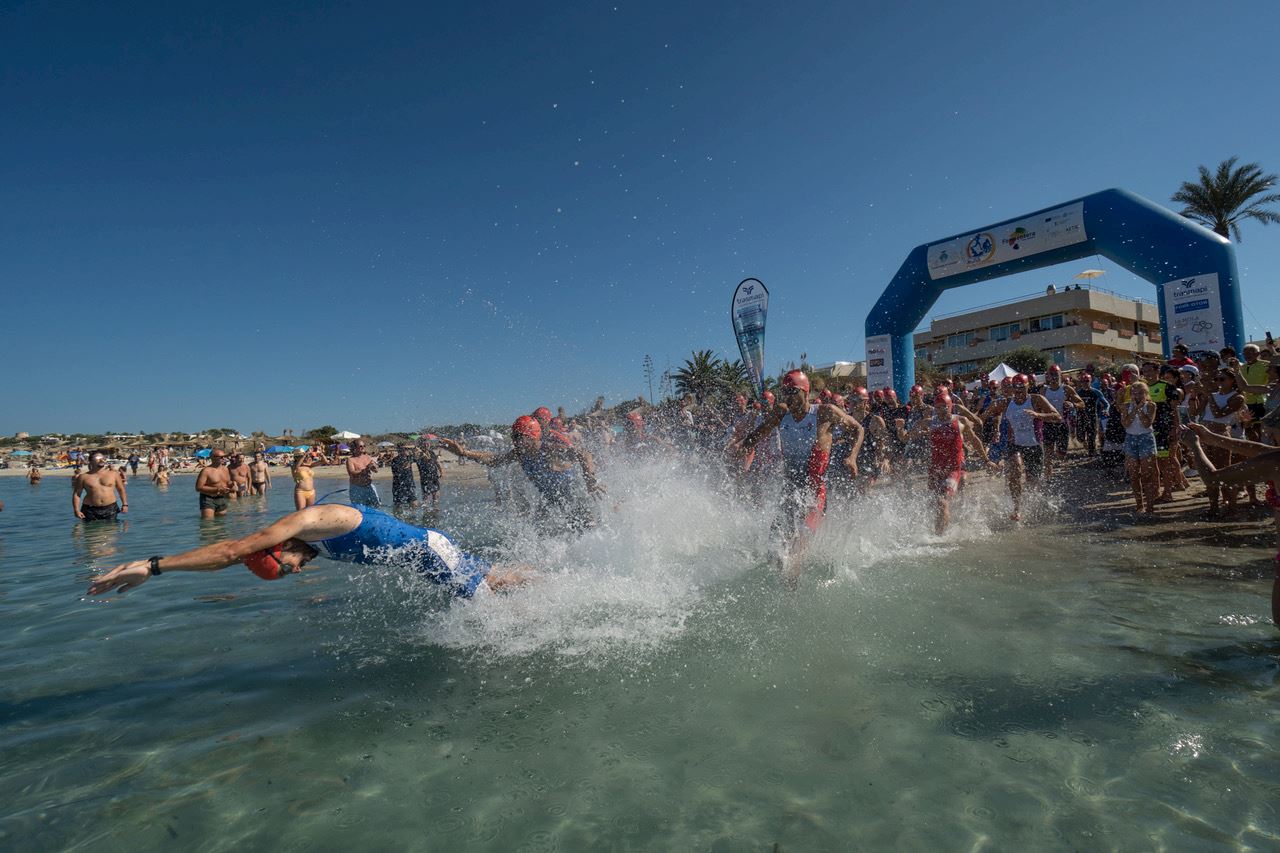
(657, 690)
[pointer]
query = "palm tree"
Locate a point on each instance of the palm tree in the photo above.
(733, 376)
(699, 375)
(1221, 200)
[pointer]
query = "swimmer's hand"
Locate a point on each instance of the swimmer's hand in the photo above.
(122, 578)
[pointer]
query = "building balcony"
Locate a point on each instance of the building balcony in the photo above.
(1082, 334)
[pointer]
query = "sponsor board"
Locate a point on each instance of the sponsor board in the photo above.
(1053, 229)
(1193, 312)
(749, 311)
(880, 361)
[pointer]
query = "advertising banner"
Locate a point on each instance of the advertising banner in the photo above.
(750, 307)
(1193, 312)
(880, 361)
(1052, 229)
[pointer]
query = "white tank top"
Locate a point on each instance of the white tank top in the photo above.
(1221, 400)
(798, 436)
(1136, 427)
(1022, 424)
(1057, 398)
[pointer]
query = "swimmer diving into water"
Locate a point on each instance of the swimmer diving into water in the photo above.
(349, 534)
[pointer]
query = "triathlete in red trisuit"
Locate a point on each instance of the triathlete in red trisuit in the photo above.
(805, 433)
(947, 433)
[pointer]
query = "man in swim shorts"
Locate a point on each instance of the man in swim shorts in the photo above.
(100, 485)
(360, 470)
(349, 534)
(259, 473)
(214, 485)
(239, 471)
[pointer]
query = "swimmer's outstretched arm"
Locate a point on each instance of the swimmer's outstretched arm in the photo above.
(313, 523)
(1238, 446)
(478, 456)
(507, 575)
(1265, 466)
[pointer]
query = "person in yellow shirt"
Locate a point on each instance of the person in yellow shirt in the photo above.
(1252, 373)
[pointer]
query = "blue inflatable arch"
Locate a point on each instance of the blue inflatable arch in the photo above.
(1194, 271)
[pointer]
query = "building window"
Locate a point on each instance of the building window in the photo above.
(1044, 324)
(1059, 356)
(1004, 332)
(922, 352)
(960, 340)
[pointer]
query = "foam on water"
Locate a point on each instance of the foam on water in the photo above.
(675, 545)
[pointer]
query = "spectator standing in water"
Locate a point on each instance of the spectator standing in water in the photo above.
(213, 484)
(99, 485)
(360, 470)
(430, 472)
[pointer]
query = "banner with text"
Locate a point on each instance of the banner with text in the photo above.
(1193, 312)
(750, 308)
(880, 361)
(1052, 229)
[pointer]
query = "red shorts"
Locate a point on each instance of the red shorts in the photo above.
(945, 481)
(818, 462)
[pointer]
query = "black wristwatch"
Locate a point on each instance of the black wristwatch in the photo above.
(155, 565)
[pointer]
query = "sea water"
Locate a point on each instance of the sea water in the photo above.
(657, 688)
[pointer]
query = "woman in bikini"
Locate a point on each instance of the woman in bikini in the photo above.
(304, 488)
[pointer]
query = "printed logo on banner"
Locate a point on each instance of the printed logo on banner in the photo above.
(980, 248)
(1015, 238)
(1184, 307)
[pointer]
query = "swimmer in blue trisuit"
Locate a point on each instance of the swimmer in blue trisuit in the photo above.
(549, 462)
(345, 533)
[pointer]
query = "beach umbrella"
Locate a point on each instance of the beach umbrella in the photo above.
(1091, 274)
(21, 453)
(279, 448)
(203, 454)
(344, 447)
(345, 435)
(386, 444)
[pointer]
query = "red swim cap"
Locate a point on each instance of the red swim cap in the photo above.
(265, 563)
(1053, 368)
(769, 398)
(1021, 379)
(824, 395)
(917, 389)
(796, 379)
(861, 393)
(837, 400)
(543, 414)
(943, 396)
(1006, 382)
(878, 394)
(526, 425)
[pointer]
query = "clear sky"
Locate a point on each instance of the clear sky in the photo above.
(382, 215)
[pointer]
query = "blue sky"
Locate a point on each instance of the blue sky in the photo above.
(379, 216)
